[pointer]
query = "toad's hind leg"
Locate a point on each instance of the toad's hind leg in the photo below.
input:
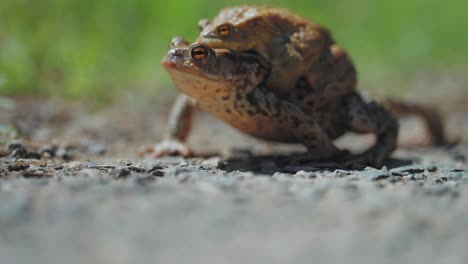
(293, 125)
(430, 116)
(372, 118)
(319, 145)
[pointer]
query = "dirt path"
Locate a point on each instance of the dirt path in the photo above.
(98, 207)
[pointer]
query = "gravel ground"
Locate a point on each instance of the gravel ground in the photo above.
(86, 204)
(235, 210)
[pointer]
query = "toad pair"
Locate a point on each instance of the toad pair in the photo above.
(276, 76)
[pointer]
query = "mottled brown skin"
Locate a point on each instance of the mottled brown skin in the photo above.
(295, 46)
(230, 86)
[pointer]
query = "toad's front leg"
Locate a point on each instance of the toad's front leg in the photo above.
(179, 126)
(372, 118)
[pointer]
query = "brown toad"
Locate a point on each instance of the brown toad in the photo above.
(295, 46)
(230, 85)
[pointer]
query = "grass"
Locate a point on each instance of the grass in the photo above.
(96, 48)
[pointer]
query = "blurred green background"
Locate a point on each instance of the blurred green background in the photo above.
(97, 49)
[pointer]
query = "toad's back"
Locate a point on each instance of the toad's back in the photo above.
(295, 46)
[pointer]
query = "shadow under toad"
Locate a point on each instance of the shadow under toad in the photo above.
(270, 164)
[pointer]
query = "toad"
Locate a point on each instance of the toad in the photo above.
(230, 85)
(295, 46)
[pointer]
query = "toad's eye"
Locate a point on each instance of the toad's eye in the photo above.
(199, 52)
(224, 30)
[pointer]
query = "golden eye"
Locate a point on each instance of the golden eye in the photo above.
(199, 52)
(224, 30)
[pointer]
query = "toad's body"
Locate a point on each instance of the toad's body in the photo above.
(230, 85)
(287, 41)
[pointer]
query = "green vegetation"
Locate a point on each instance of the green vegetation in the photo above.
(93, 48)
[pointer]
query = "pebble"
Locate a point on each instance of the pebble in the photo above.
(18, 151)
(48, 151)
(18, 167)
(14, 146)
(413, 169)
(120, 172)
(66, 153)
(157, 173)
(211, 163)
(305, 174)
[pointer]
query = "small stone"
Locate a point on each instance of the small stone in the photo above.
(48, 151)
(18, 166)
(120, 172)
(19, 153)
(399, 174)
(374, 174)
(341, 173)
(158, 173)
(73, 166)
(125, 163)
(211, 163)
(304, 174)
(413, 169)
(136, 168)
(66, 153)
(15, 145)
(156, 167)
